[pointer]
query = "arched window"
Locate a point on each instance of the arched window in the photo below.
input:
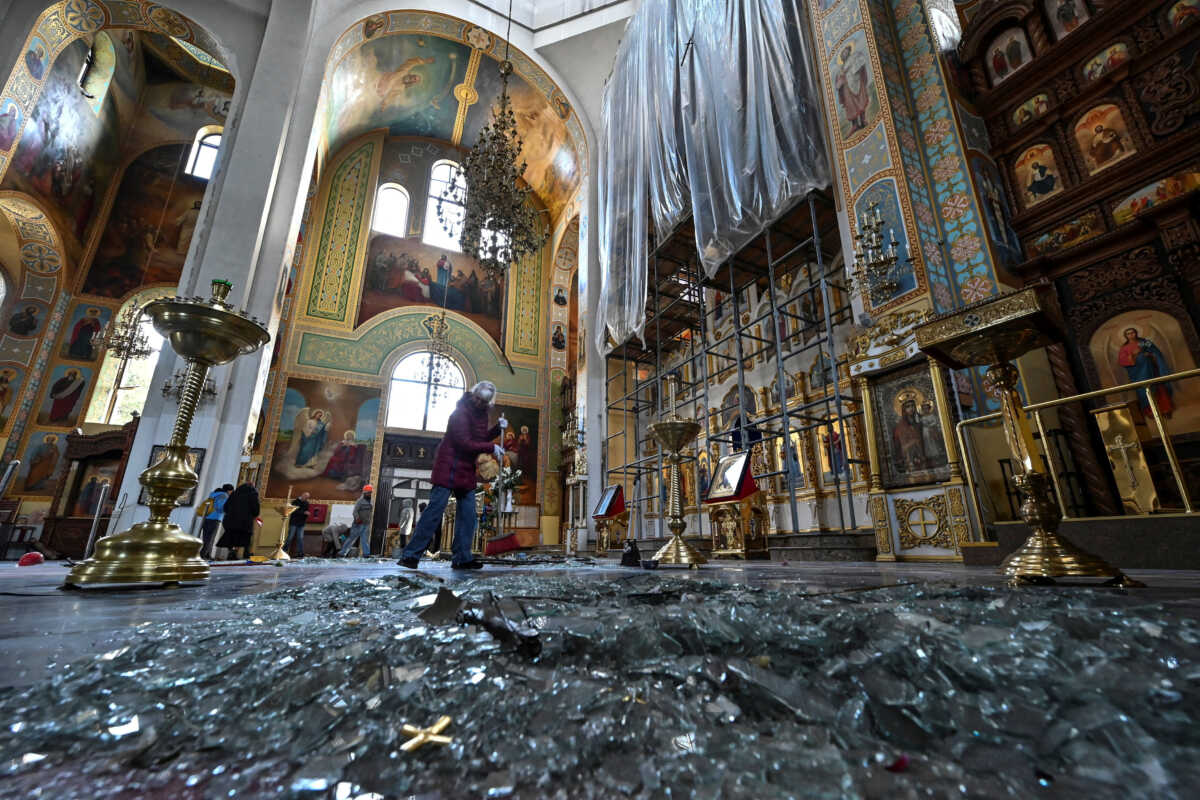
(124, 384)
(391, 210)
(435, 232)
(203, 157)
(424, 390)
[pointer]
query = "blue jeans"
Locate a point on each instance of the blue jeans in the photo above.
(295, 531)
(431, 522)
(359, 531)
(208, 532)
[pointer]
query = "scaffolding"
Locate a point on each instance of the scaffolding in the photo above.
(804, 241)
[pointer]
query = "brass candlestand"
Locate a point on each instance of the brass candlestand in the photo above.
(995, 332)
(279, 553)
(673, 434)
(205, 333)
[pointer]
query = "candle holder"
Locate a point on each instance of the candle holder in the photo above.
(995, 332)
(673, 434)
(205, 333)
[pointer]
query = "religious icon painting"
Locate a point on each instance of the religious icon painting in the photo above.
(1103, 137)
(36, 58)
(908, 432)
(90, 490)
(1106, 61)
(1141, 344)
(325, 444)
(1037, 174)
(1183, 13)
(1151, 195)
(63, 403)
(834, 452)
(42, 463)
(728, 476)
(1007, 53)
(84, 325)
(10, 123)
(11, 379)
(521, 451)
(28, 318)
(1031, 109)
(1066, 16)
(857, 101)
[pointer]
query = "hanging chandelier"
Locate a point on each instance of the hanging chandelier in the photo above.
(877, 262)
(125, 338)
(498, 225)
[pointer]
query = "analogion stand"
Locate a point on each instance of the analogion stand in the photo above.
(737, 510)
(612, 517)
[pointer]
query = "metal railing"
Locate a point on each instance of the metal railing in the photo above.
(1036, 409)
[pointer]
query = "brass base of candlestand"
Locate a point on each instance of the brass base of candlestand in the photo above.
(148, 552)
(680, 553)
(279, 554)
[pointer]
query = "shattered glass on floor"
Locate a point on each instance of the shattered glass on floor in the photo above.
(649, 686)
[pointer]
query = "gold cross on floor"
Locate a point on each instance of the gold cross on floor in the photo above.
(424, 736)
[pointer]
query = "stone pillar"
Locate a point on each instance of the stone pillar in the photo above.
(595, 386)
(252, 210)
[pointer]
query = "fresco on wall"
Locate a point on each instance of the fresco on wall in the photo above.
(28, 318)
(1066, 16)
(1183, 13)
(408, 272)
(37, 56)
(857, 101)
(520, 443)
(178, 110)
(42, 463)
(1146, 343)
(995, 209)
(326, 440)
(1151, 195)
(150, 227)
(911, 448)
(63, 403)
(68, 153)
(10, 123)
(1037, 174)
(1007, 53)
(1031, 109)
(551, 164)
(10, 387)
(1103, 137)
(87, 321)
(1106, 61)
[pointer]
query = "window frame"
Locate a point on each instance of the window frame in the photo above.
(429, 385)
(392, 186)
(431, 222)
(200, 144)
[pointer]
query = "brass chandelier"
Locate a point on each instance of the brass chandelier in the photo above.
(877, 276)
(498, 225)
(125, 338)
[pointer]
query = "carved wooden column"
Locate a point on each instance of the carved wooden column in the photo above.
(1095, 476)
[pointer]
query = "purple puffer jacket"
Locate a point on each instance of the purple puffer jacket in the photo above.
(467, 435)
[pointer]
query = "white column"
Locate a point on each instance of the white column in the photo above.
(252, 211)
(595, 388)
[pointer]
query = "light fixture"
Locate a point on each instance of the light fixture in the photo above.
(876, 275)
(499, 225)
(173, 387)
(125, 338)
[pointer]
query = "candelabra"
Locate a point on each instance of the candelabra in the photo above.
(877, 276)
(125, 338)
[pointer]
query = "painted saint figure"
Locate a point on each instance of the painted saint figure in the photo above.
(558, 340)
(1043, 181)
(312, 438)
(64, 396)
(853, 88)
(43, 462)
(187, 226)
(1142, 360)
(1068, 15)
(908, 438)
(1106, 145)
(80, 346)
(24, 322)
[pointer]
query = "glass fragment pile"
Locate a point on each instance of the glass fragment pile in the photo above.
(646, 686)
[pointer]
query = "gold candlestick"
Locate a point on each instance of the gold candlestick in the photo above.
(673, 434)
(995, 332)
(280, 554)
(205, 333)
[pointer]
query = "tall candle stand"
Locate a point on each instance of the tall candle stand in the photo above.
(673, 434)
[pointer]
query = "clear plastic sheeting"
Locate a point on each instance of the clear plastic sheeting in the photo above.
(712, 109)
(646, 686)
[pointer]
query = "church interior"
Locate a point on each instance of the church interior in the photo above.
(820, 369)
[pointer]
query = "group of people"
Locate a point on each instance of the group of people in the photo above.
(235, 512)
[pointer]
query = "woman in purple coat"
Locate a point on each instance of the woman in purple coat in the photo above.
(467, 435)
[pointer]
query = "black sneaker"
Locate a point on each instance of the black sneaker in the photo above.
(476, 564)
(411, 563)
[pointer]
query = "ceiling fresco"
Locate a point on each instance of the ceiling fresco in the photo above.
(420, 74)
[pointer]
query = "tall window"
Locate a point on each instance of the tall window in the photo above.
(203, 157)
(123, 384)
(391, 210)
(435, 232)
(424, 390)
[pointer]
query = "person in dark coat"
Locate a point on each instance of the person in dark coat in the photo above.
(241, 510)
(467, 436)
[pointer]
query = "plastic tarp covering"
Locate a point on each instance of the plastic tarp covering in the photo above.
(711, 109)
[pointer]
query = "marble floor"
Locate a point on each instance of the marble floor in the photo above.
(43, 626)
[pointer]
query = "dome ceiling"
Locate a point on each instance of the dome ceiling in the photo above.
(420, 74)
